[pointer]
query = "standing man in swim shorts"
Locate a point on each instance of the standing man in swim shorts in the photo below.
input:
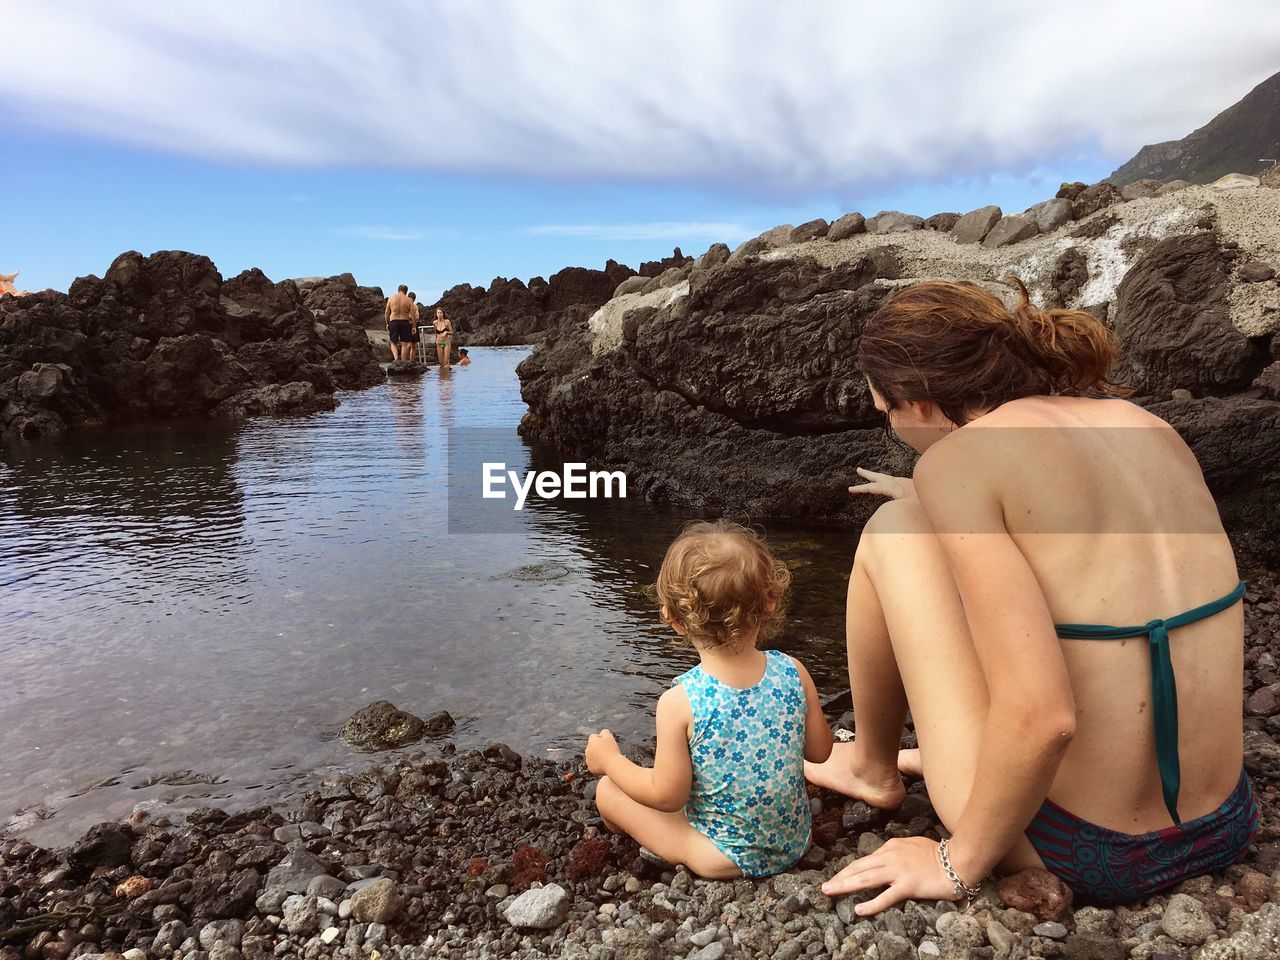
(400, 315)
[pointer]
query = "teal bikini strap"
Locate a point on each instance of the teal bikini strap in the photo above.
(1164, 691)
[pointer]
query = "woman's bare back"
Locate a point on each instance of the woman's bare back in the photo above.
(1110, 509)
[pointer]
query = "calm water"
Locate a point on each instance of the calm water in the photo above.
(188, 613)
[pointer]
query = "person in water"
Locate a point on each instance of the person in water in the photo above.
(413, 325)
(400, 314)
(463, 358)
(443, 327)
(726, 794)
(1030, 594)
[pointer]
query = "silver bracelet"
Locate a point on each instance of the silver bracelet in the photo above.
(962, 889)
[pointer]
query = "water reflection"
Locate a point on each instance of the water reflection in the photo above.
(191, 612)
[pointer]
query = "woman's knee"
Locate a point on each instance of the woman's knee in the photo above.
(899, 516)
(884, 536)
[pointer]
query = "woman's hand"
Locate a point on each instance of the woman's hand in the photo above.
(601, 748)
(908, 869)
(884, 485)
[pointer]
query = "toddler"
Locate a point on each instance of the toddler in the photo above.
(726, 794)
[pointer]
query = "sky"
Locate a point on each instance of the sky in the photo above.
(435, 143)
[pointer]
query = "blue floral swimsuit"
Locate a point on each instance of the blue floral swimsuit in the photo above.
(747, 747)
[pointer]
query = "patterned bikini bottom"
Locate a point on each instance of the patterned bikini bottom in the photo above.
(1106, 868)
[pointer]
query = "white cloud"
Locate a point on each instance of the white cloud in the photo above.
(660, 230)
(377, 233)
(777, 96)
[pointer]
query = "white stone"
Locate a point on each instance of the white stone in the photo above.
(606, 323)
(1186, 920)
(541, 908)
(330, 935)
(1235, 181)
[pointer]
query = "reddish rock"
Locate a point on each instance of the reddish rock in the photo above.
(1037, 892)
(827, 828)
(1265, 702)
(1253, 889)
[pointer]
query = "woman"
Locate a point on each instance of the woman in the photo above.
(1042, 498)
(444, 337)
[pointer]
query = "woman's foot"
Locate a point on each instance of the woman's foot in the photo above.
(909, 764)
(846, 772)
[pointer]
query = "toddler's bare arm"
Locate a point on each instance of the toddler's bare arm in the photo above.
(817, 732)
(665, 786)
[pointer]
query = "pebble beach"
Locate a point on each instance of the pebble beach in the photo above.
(486, 853)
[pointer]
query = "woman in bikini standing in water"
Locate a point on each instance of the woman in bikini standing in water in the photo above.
(444, 337)
(1031, 597)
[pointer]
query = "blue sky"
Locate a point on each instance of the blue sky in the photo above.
(449, 142)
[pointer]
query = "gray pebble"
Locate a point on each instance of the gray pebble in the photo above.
(712, 951)
(1051, 930)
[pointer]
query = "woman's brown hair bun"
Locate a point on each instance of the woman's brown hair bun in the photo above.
(959, 347)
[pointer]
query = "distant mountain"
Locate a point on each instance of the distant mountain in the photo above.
(1232, 142)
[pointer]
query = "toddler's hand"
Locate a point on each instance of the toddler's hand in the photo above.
(600, 748)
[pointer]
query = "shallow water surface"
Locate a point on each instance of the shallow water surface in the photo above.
(189, 612)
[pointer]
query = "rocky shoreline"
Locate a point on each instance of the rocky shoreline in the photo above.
(729, 385)
(436, 853)
(165, 337)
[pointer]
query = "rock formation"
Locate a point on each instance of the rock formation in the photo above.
(729, 385)
(1236, 139)
(340, 298)
(511, 311)
(165, 336)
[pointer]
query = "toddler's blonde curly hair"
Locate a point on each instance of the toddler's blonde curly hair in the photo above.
(722, 585)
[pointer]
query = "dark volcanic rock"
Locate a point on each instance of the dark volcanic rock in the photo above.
(743, 396)
(1094, 198)
(1011, 229)
(575, 285)
(810, 230)
(849, 225)
(701, 402)
(163, 336)
(382, 726)
(104, 845)
(656, 268)
(340, 298)
(894, 221)
(1234, 439)
(1255, 271)
(1171, 312)
(976, 224)
(511, 312)
(1070, 274)
(941, 222)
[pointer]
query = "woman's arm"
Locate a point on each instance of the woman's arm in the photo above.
(1032, 714)
(665, 785)
(884, 485)
(817, 732)
(1031, 718)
